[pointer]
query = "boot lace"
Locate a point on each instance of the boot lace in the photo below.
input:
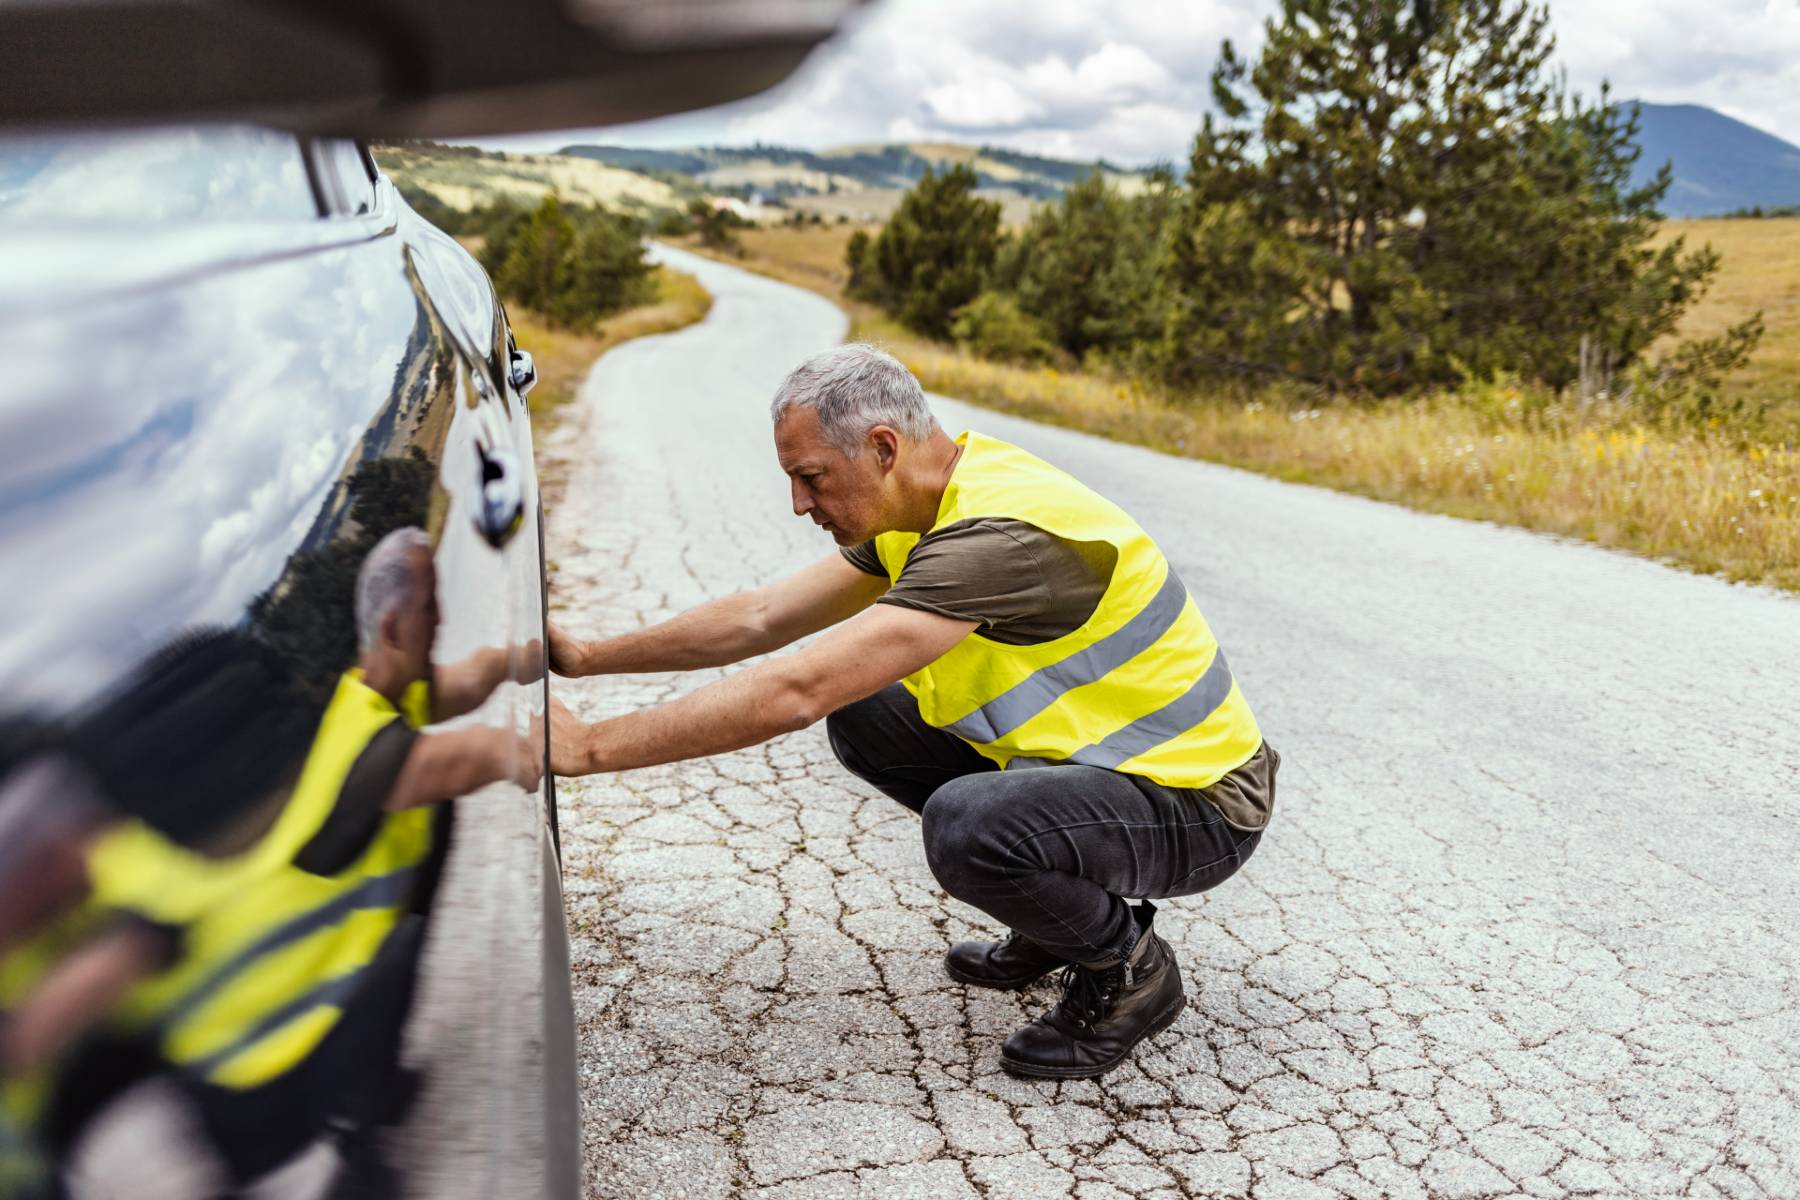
(1088, 996)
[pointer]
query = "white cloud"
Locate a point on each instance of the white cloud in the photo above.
(981, 104)
(1128, 80)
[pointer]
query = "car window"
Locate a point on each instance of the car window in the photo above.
(345, 162)
(155, 176)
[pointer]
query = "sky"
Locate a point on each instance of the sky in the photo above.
(1127, 80)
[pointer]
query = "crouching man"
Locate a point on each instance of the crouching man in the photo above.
(1015, 661)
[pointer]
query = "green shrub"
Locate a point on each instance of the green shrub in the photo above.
(572, 265)
(994, 326)
(934, 254)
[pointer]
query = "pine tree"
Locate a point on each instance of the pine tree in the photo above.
(1085, 265)
(934, 254)
(1417, 196)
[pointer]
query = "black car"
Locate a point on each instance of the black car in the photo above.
(242, 365)
(279, 883)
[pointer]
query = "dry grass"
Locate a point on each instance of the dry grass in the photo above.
(1701, 500)
(809, 257)
(1760, 270)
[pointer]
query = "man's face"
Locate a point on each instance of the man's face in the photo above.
(415, 631)
(842, 495)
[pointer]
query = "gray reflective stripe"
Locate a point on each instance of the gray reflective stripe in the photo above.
(333, 991)
(379, 891)
(1171, 720)
(1043, 687)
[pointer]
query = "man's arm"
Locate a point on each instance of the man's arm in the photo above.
(443, 766)
(876, 648)
(729, 629)
(462, 686)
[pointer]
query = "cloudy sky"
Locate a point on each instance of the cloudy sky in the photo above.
(1127, 79)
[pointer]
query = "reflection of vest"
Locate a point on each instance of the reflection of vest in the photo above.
(272, 953)
(23, 1095)
(1141, 687)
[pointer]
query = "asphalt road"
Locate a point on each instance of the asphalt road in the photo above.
(1527, 921)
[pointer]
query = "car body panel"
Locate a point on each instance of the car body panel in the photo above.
(208, 425)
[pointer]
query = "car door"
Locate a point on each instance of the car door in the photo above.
(241, 366)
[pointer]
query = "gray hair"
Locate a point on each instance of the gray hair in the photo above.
(387, 580)
(853, 389)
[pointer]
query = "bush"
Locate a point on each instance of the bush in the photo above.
(859, 259)
(1086, 265)
(672, 224)
(934, 255)
(716, 225)
(572, 265)
(994, 326)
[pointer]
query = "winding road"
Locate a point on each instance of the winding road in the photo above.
(1526, 923)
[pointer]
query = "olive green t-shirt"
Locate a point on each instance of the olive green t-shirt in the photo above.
(1023, 586)
(1019, 584)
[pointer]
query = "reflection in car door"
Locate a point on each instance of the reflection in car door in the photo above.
(244, 434)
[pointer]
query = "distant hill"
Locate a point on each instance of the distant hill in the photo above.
(785, 172)
(463, 177)
(1721, 165)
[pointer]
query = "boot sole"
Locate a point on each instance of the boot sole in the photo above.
(1009, 986)
(1035, 1071)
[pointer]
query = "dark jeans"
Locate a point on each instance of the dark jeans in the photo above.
(1053, 851)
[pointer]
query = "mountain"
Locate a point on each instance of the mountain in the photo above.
(782, 171)
(1721, 165)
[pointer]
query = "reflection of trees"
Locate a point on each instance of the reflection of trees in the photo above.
(308, 616)
(201, 733)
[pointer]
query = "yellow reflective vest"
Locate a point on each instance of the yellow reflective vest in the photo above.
(1141, 687)
(272, 953)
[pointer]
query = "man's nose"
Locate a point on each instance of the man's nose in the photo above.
(802, 501)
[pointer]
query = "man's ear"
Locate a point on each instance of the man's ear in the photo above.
(887, 446)
(390, 627)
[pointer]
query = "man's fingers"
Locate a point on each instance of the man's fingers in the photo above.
(565, 652)
(568, 740)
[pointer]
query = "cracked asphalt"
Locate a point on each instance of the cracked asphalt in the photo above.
(1526, 923)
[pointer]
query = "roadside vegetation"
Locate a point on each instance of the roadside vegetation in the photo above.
(575, 281)
(1455, 302)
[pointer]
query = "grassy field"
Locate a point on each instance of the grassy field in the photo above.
(1761, 270)
(1709, 501)
(466, 179)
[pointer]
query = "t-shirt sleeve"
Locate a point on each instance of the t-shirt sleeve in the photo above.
(864, 558)
(361, 802)
(979, 571)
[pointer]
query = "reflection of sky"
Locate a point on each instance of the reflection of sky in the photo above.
(166, 453)
(154, 176)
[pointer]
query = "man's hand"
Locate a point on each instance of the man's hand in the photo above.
(568, 653)
(569, 740)
(528, 771)
(443, 766)
(528, 662)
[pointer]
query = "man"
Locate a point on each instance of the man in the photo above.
(1015, 661)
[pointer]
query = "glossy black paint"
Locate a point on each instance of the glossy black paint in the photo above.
(206, 426)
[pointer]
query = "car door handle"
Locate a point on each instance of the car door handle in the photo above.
(522, 371)
(501, 510)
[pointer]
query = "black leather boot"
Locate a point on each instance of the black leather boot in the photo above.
(1014, 963)
(1103, 1013)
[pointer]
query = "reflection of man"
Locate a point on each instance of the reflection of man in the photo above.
(284, 1003)
(396, 628)
(290, 1007)
(1017, 662)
